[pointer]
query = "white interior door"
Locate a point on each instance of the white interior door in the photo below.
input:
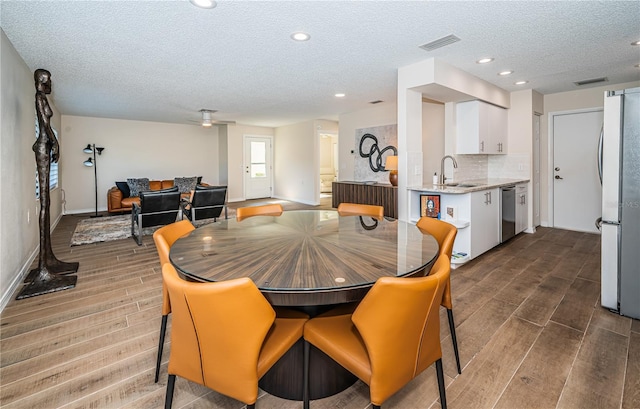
(577, 193)
(257, 167)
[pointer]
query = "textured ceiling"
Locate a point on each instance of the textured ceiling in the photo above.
(165, 60)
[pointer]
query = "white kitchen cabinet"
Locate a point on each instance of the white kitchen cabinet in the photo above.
(521, 207)
(481, 128)
(485, 220)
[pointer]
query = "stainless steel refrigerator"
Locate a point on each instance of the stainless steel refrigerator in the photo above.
(620, 164)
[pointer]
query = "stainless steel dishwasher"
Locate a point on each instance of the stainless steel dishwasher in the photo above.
(508, 213)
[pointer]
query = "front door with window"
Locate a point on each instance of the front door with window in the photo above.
(257, 167)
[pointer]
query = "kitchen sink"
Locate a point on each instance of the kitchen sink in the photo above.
(460, 184)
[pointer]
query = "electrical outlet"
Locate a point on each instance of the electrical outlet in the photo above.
(520, 166)
(417, 170)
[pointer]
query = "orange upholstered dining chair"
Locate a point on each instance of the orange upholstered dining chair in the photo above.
(274, 209)
(164, 238)
(356, 209)
(225, 335)
(445, 235)
(391, 337)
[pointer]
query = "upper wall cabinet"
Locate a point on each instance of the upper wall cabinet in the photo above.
(481, 128)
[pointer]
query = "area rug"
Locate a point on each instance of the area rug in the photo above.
(112, 228)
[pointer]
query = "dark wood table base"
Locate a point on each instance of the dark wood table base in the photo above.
(326, 377)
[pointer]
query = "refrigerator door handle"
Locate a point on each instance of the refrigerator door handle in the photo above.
(600, 153)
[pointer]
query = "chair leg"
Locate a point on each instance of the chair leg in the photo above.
(452, 328)
(443, 395)
(140, 230)
(163, 329)
(305, 377)
(169, 398)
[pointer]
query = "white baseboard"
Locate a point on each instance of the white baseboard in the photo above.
(310, 203)
(79, 211)
(24, 270)
(19, 278)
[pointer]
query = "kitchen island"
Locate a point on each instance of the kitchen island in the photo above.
(473, 206)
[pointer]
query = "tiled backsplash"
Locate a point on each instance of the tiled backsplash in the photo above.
(513, 166)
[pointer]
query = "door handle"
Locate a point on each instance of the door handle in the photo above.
(558, 177)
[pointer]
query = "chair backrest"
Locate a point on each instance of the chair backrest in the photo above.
(159, 207)
(356, 209)
(399, 323)
(217, 332)
(208, 201)
(164, 238)
(444, 233)
(274, 209)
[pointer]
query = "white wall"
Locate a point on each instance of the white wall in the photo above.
(566, 101)
(432, 139)
(132, 149)
(381, 114)
(296, 162)
(18, 237)
(235, 155)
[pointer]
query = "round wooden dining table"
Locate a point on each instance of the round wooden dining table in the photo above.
(306, 259)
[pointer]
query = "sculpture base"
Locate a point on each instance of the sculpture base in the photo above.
(61, 268)
(53, 284)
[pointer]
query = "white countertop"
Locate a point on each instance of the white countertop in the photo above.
(468, 186)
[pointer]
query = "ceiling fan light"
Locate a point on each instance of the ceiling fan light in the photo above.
(204, 4)
(206, 124)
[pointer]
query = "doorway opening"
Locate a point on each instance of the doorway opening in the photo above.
(328, 147)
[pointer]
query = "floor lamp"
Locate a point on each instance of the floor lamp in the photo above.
(91, 162)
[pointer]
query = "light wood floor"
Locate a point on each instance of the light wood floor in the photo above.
(530, 330)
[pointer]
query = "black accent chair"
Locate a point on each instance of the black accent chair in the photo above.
(157, 208)
(207, 202)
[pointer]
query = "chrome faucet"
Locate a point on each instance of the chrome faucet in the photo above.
(443, 178)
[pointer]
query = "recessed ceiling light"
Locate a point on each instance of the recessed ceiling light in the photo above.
(484, 60)
(339, 95)
(300, 36)
(204, 4)
(520, 82)
(636, 43)
(505, 73)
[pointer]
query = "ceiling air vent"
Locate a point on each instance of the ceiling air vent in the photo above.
(377, 101)
(441, 42)
(591, 81)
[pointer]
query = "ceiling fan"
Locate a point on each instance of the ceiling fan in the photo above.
(207, 119)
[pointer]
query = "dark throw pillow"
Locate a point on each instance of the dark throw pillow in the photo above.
(199, 180)
(185, 185)
(124, 188)
(137, 185)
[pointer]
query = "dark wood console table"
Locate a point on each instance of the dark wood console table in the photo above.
(372, 194)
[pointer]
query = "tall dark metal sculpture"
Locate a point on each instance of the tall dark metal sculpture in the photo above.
(49, 276)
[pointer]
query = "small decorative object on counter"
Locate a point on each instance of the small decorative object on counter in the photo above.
(435, 178)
